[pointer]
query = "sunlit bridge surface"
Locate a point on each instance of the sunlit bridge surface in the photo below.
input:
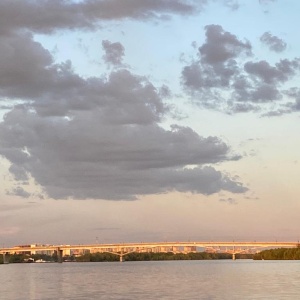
(122, 249)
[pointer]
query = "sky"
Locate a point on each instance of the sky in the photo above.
(149, 120)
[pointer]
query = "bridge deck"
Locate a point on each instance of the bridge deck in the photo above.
(123, 246)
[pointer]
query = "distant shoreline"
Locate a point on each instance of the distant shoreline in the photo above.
(271, 254)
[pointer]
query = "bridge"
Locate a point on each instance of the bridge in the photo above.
(122, 249)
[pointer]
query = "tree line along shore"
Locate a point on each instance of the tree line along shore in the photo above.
(271, 254)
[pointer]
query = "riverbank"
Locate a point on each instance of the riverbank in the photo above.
(271, 254)
(109, 257)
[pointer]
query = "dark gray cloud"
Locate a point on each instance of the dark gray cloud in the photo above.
(99, 137)
(23, 66)
(243, 107)
(90, 157)
(46, 16)
(290, 106)
(114, 53)
(221, 46)
(273, 42)
(276, 113)
(19, 191)
(281, 72)
(28, 72)
(221, 77)
(294, 94)
(216, 65)
(229, 201)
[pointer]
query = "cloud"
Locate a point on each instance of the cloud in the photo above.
(46, 16)
(82, 138)
(292, 105)
(232, 4)
(281, 72)
(88, 157)
(101, 137)
(273, 42)
(23, 66)
(98, 137)
(114, 53)
(265, 4)
(216, 64)
(222, 77)
(229, 201)
(19, 191)
(221, 46)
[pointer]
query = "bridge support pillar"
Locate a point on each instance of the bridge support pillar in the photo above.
(233, 256)
(6, 258)
(59, 256)
(121, 258)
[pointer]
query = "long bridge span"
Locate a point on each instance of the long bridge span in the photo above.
(122, 249)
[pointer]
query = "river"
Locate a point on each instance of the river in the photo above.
(163, 280)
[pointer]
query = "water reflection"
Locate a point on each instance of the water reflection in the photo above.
(239, 279)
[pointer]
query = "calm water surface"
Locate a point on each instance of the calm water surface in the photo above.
(221, 279)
